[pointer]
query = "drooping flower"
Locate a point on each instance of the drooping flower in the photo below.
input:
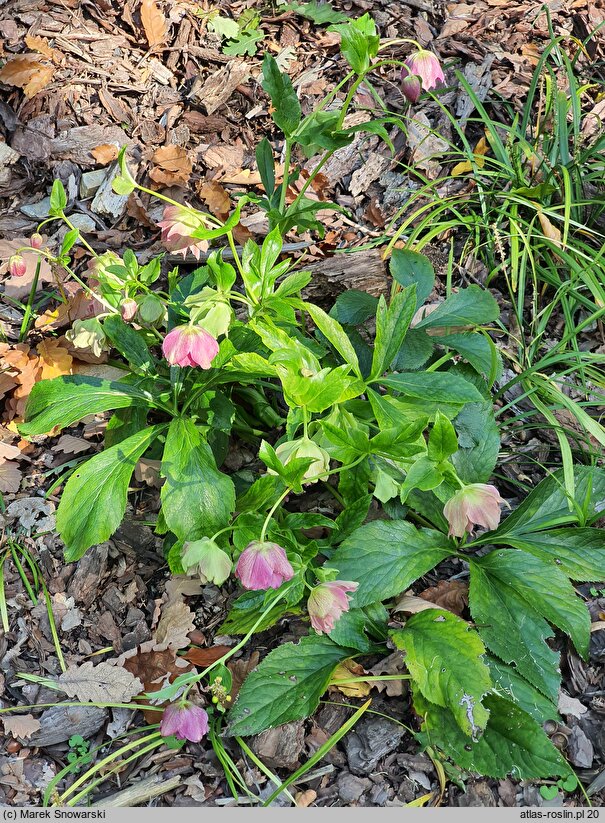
(16, 265)
(477, 504)
(89, 335)
(425, 66)
(36, 241)
(327, 602)
(304, 447)
(151, 309)
(98, 268)
(177, 224)
(263, 566)
(189, 346)
(205, 558)
(185, 721)
(128, 309)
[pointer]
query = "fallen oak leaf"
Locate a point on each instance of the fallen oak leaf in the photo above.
(105, 153)
(54, 359)
(174, 625)
(102, 683)
(216, 198)
(21, 725)
(152, 668)
(154, 23)
(240, 669)
(27, 72)
(172, 165)
(448, 594)
(41, 45)
(71, 445)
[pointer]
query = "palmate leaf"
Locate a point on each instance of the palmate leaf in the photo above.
(513, 742)
(445, 658)
(286, 686)
(94, 499)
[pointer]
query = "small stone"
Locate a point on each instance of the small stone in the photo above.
(83, 222)
(579, 749)
(37, 210)
(91, 181)
(350, 788)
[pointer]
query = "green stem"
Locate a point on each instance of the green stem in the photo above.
(271, 513)
(26, 322)
(159, 196)
(237, 261)
(239, 645)
(284, 185)
(82, 239)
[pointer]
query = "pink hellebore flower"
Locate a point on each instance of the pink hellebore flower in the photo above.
(185, 721)
(263, 566)
(36, 241)
(177, 224)
(128, 309)
(327, 602)
(17, 265)
(475, 505)
(189, 346)
(423, 65)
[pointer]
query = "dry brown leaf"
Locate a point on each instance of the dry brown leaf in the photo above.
(411, 604)
(180, 586)
(175, 624)
(153, 668)
(216, 198)
(172, 165)
(28, 73)
(79, 306)
(103, 683)
(345, 671)
(54, 359)
(148, 471)
(105, 153)
(21, 725)
(448, 594)
(154, 23)
(205, 657)
(71, 445)
(550, 230)
(240, 669)
(393, 664)
(229, 159)
(40, 45)
(304, 799)
(10, 476)
(8, 452)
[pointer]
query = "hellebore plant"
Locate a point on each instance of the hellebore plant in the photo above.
(380, 406)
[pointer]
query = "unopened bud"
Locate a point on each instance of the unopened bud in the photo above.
(17, 265)
(36, 241)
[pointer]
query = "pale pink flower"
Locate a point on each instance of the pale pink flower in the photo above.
(177, 224)
(477, 504)
(185, 721)
(425, 65)
(36, 241)
(189, 346)
(17, 265)
(263, 566)
(327, 602)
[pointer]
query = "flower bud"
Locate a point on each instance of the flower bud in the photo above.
(36, 241)
(128, 309)
(151, 309)
(304, 447)
(17, 266)
(425, 66)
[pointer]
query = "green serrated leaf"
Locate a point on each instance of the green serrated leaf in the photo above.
(510, 685)
(287, 112)
(513, 630)
(472, 306)
(286, 686)
(409, 267)
(319, 13)
(578, 552)
(67, 399)
(224, 27)
(128, 342)
(392, 324)
(385, 557)
(513, 743)
(94, 499)
(445, 658)
(442, 439)
(197, 499)
(440, 387)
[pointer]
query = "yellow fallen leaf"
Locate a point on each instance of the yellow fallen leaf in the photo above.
(479, 152)
(54, 359)
(550, 231)
(348, 671)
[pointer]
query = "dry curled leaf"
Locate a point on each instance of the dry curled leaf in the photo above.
(21, 725)
(393, 664)
(240, 669)
(172, 165)
(205, 657)
(216, 198)
(448, 594)
(154, 23)
(27, 72)
(153, 668)
(41, 45)
(549, 229)
(103, 683)
(346, 671)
